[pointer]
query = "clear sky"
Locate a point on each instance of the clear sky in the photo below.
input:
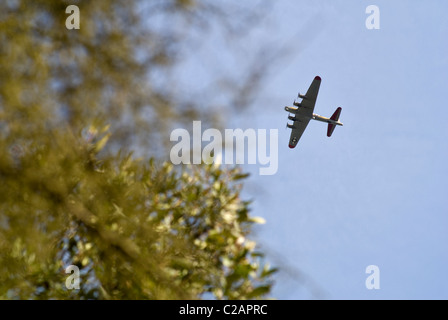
(375, 193)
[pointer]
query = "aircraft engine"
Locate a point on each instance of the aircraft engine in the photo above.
(291, 110)
(292, 118)
(290, 126)
(301, 96)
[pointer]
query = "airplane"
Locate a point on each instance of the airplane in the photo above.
(304, 113)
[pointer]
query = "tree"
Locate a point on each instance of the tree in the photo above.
(73, 194)
(134, 230)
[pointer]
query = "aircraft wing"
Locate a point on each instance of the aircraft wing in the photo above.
(305, 112)
(310, 98)
(299, 127)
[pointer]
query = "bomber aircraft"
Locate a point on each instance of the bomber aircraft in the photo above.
(303, 113)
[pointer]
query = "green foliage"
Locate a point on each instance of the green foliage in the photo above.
(122, 66)
(137, 229)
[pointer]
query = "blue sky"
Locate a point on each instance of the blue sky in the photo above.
(376, 191)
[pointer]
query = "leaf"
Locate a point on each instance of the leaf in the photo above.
(102, 142)
(118, 211)
(105, 128)
(240, 176)
(259, 291)
(85, 261)
(268, 272)
(258, 220)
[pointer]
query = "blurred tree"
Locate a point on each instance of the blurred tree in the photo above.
(136, 229)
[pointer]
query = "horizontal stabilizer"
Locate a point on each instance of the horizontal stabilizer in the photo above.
(330, 129)
(336, 114)
(334, 117)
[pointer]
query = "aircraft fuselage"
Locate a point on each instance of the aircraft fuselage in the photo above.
(325, 119)
(313, 117)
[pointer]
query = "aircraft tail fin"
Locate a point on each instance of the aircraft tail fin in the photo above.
(334, 117)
